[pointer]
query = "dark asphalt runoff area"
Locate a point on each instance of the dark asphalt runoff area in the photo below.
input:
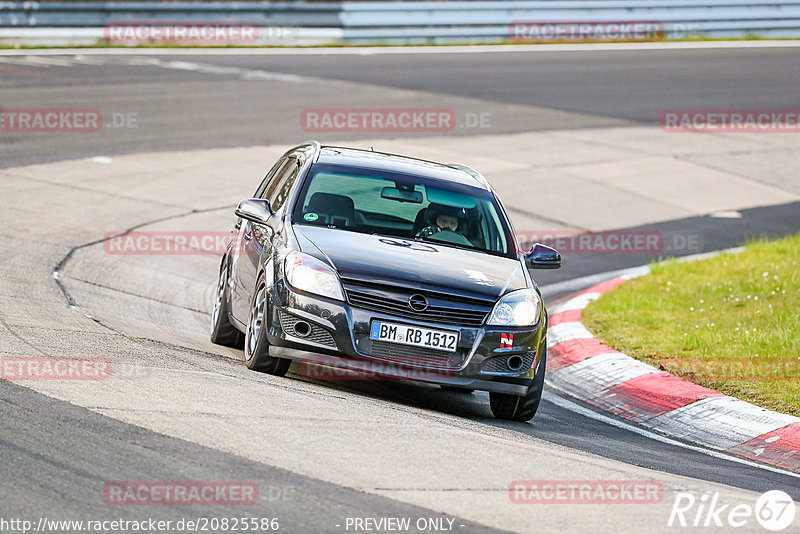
(176, 108)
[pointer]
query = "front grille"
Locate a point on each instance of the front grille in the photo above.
(498, 364)
(317, 335)
(444, 309)
(417, 356)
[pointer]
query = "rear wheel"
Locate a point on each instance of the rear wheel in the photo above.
(521, 407)
(222, 331)
(256, 346)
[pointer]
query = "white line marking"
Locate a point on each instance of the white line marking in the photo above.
(189, 66)
(576, 303)
(730, 214)
(580, 410)
(244, 74)
(365, 51)
(43, 61)
(566, 332)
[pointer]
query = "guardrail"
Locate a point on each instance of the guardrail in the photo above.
(98, 14)
(408, 22)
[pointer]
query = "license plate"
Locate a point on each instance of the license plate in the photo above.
(414, 336)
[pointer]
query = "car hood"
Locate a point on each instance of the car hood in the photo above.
(412, 264)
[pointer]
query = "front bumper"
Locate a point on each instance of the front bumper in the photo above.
(499, 359)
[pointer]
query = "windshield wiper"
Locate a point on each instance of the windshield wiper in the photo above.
(448, 243)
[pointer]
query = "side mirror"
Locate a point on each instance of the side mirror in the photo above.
(543, 257)
(258, 211)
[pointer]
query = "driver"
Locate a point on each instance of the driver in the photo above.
(442, 218)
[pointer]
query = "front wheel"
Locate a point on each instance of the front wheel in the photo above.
(256, 345)
(222, 331)
(521, 407)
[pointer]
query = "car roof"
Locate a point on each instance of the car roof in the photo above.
(402, 164)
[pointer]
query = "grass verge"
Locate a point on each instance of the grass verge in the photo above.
(730, 323)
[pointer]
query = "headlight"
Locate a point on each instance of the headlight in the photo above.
(307, 273)
(518, 308)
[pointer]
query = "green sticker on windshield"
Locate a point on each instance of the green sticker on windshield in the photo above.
(311, 216)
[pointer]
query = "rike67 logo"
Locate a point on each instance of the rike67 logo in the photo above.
(774, 510)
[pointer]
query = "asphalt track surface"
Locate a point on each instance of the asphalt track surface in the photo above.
(55, 453)
(186, 107)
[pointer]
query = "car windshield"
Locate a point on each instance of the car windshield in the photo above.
(401, 205)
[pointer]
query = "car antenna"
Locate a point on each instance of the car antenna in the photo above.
(371, 148)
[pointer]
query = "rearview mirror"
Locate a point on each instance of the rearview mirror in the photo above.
(258, 211)
(543, 257)
(400, 195)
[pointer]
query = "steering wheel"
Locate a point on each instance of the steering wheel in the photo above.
(449, 236)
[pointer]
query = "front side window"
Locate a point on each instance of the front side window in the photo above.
(283, 185)
(401, 205)
(268, 179)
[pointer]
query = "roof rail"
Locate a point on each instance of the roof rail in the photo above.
(315, 146)
(472, 172)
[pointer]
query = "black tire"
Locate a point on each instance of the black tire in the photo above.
(256, 345)
(222, 331)
(456, 389)
(521, 407)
